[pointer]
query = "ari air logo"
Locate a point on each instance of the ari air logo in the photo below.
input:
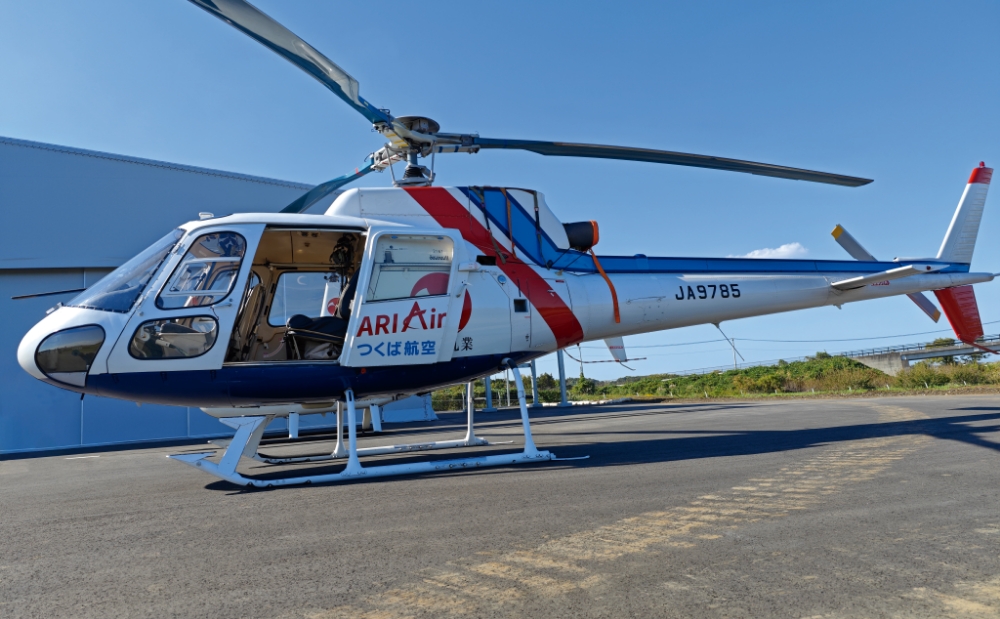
(417, 318)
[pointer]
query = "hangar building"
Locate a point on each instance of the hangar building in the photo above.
(70, 217)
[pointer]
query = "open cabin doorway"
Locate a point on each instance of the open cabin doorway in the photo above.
(299, 296)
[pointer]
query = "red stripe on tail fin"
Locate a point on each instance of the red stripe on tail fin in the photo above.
(959, 305)
(982, 174)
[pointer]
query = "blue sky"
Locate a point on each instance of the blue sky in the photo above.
(906, 93)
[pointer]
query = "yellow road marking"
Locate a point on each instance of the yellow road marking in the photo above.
(573, 562)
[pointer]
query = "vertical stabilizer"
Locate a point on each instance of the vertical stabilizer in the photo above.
(961, 237)
(617, 347)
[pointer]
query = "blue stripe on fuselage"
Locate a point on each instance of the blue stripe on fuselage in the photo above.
(247, 384)
(747, 266)
(530, 241)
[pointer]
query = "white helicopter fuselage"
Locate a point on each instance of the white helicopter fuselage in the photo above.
(451, 283)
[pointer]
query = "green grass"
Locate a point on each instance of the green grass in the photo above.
(822, 375)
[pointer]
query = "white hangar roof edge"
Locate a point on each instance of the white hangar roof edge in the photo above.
(71, 150)
(74, 208)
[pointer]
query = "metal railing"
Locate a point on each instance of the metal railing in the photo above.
(989, 341)
(742, 366)
(986, 340)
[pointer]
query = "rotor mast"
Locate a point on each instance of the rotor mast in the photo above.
(412, 137)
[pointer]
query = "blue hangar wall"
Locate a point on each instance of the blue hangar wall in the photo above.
(70, 217)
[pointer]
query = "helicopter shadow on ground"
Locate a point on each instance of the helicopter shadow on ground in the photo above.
(688, 444)
(715, 443)
(455, 421)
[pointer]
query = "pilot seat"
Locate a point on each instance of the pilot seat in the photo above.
(321, 338)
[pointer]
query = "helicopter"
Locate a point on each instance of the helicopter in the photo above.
(401, 290)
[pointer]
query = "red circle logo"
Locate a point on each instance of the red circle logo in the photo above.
(466, 311)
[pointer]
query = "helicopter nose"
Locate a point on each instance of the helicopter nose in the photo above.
(64, 356)
(26, 351)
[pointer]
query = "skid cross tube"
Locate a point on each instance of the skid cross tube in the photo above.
(353, 464)
(529, 443)
(470, 440)
(249, 431)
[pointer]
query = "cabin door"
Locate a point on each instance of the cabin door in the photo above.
(185, 323)
(410, 294)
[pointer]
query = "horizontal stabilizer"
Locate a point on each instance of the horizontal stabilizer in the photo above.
(882, 276)
(849, 243)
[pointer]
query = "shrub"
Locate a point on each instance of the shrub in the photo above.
(584, 386)
(547, 381)
(967, 374)
(852, 378)
(921, 376)
(770, 383)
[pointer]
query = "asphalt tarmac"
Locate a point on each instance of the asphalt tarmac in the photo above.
(804, 509)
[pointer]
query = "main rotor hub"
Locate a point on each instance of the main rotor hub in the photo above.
(411, 137)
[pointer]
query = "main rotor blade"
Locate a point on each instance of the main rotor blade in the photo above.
(319, 192)
(567, 149)
(253, 22)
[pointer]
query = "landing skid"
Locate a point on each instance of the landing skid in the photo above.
(250, 430)
(341, 451)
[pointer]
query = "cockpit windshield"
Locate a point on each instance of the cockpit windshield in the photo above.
(119, 290)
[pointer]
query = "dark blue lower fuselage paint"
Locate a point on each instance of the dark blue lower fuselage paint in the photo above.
(246, 384)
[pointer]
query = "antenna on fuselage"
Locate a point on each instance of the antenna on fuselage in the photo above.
(731, 343)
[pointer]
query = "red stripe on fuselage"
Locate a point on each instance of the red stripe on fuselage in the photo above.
(450, 213)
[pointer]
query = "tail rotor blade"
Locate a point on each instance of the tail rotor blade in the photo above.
(851, 245)
(926, 305)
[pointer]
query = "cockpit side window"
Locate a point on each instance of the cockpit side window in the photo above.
(119, 290)
(206, 274)
(407, 266)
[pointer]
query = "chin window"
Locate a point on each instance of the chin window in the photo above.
(66, 356)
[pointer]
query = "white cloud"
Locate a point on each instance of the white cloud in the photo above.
(788, 250)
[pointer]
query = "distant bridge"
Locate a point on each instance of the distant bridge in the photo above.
(891, 359)
(894, 359)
